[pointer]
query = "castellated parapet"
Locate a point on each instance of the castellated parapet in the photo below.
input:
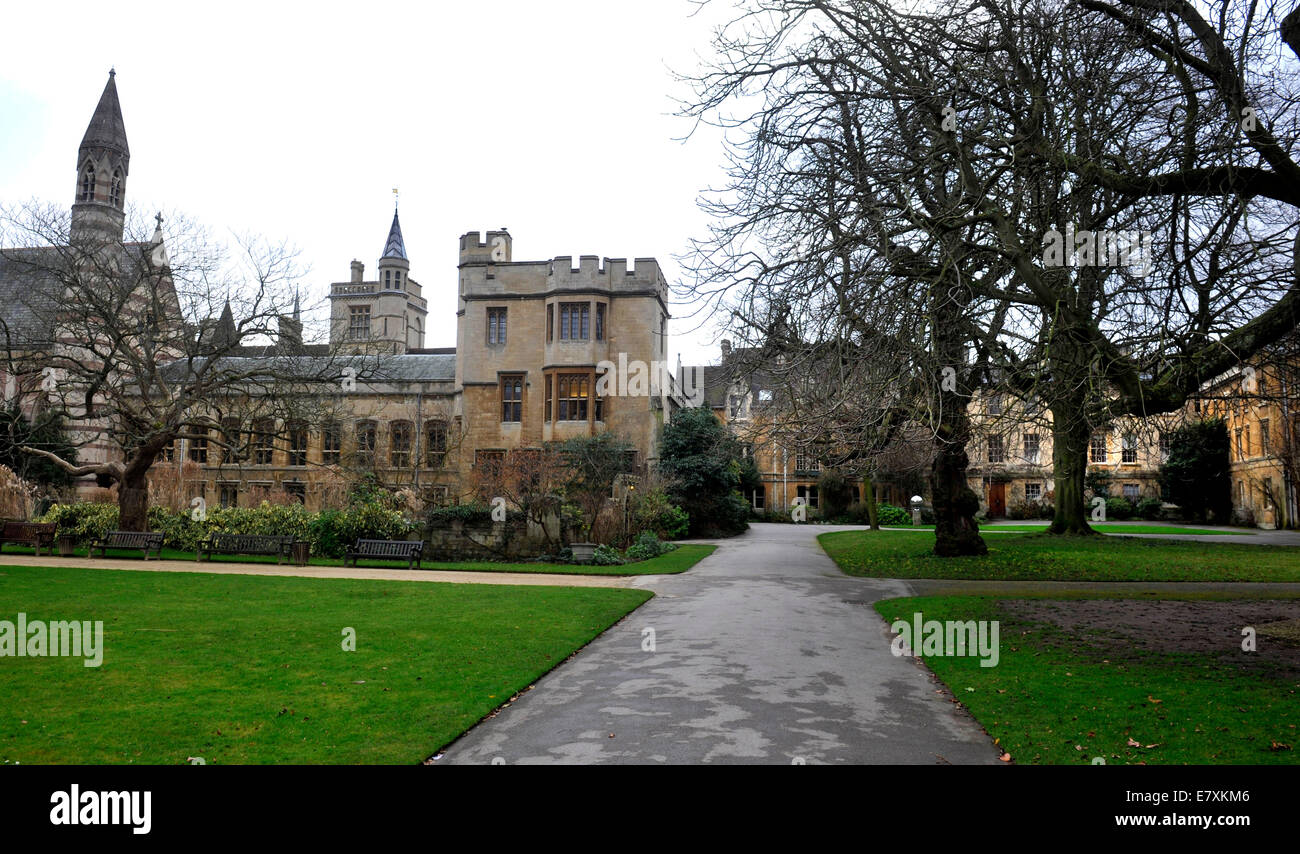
(487, 268)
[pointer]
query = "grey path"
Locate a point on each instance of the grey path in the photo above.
(764, 653)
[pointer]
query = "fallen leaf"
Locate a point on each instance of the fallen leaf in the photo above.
(1006, 757)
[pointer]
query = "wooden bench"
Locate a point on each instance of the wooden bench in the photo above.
(411, 551)
(34, 534)
(246, 544)
(142, 540)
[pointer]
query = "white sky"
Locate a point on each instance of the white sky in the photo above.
(296, 121)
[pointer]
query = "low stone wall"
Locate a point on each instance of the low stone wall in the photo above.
(511, 540)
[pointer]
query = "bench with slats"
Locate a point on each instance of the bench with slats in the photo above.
(246, 544)
(411, 551)
(34, 534)
(142, 540)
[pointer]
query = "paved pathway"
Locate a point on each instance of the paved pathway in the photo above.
(764, 653)
(219, 568)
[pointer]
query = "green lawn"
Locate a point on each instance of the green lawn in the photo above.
(1068, 698)
(1107, 529)
(246, 669)
(1020, 557)
(679, 560)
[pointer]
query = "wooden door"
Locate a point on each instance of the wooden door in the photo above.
(997, 500)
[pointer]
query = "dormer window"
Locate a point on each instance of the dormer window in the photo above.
(88, 184)
(115, 189)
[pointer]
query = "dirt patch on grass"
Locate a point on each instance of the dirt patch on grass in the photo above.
(1123, 629)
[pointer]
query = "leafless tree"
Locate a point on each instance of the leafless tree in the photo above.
(146, 341)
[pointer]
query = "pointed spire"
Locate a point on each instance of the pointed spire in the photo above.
(395, 247)
(106, 128)
(297, 315)
(226, 335)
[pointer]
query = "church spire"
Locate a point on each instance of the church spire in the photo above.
(395, 247)
(106, 128)
(103, 162)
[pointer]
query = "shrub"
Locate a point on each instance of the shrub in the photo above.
(606, 556)
(84, 521)
(656, 513)
(1119, 508)
(889, 514)
(647, 545)
(1149, 508)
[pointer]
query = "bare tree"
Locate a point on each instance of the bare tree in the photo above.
(143, 342)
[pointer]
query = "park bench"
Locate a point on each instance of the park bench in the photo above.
(410, 551)
(34, 534)
(246, 544)
(142, 540)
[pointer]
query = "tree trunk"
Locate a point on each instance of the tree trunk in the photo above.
(955, 503)
(133, 500)
(869, 496)
(1070, 436)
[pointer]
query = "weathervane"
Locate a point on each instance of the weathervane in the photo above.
(394, 198)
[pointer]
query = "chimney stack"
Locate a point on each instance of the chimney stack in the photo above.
(358, 271)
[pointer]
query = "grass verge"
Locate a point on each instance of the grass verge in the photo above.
(1042, 557)
(247, 669)
(1071, 696)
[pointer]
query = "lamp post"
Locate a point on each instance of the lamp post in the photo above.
(916, 509)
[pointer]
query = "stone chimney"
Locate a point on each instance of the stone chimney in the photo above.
(358, 271)
(726, 348)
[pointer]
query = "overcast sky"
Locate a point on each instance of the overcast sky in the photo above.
(296, 121)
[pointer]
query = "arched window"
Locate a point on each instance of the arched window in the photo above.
(87, 184)
(115, 189)
(400, 444)
(388, 279)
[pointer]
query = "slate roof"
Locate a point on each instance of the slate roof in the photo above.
(406, 368)
(106, 128)
(395, 247)
(28, 293)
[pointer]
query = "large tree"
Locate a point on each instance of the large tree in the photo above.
(142, 342)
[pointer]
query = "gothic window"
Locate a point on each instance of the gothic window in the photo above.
(263, 442)
(600, 321)
(366, 442)
(331, 444)
(496, 325)
(297, 444)
(575, 319)
(87, 184)
(512, 398)
(572, 393)
(400, 444)
(436, 447)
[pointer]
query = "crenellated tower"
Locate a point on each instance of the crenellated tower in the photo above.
(385, 315)
(103, 163)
